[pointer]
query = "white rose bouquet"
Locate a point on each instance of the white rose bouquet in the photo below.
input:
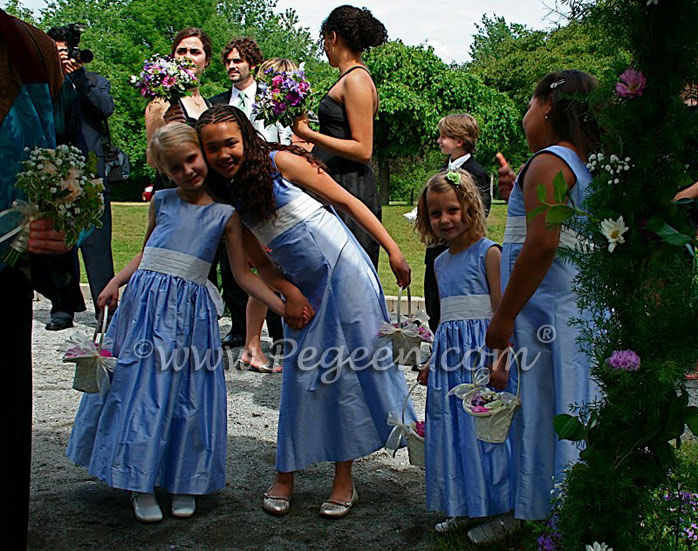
(60, 187)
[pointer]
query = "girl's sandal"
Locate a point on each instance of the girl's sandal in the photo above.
(242, 365)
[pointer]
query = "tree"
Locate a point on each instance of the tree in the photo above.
(512, 58)
(123, 33)
(15, 7)
(416, 89)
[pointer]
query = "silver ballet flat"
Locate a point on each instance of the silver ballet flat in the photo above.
(337, 509)
(276, 505)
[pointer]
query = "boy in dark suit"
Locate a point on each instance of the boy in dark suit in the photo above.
(458, 134)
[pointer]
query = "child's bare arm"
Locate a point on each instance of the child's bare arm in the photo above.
(537, 253)
(110, 293)
(298, 311)
(238, 264)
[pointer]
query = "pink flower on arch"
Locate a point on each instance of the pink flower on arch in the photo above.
(632, 84)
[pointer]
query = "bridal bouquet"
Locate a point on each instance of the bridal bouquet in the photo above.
(60, 187)
(166, 77)
(281, 96)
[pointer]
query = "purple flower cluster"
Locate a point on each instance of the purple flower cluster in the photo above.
(281, 96)
(166, 77)
(546, 542)
(685, 504)
(549, 541)
(625, 360)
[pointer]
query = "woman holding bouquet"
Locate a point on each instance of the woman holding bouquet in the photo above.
(345, 140)
(195, 44)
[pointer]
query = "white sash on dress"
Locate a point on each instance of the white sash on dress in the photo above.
(466, 307)
(292, 213)
(515, 232)
(182, 265)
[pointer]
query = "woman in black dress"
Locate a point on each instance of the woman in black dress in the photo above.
(345, 140)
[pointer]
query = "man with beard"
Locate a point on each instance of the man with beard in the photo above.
(241, 58)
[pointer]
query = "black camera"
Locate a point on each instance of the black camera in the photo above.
(70, 34)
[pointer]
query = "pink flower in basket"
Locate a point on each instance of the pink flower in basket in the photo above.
(479, 409)
(419, 428)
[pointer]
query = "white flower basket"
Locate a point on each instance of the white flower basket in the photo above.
(91, 368)
(415, 443)
(493, 426)
(406, 345)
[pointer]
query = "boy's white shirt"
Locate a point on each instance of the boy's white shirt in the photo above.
(459, 162)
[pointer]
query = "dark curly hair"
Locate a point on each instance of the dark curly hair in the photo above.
(247, 48)
(195, 32)
(252, 186)
(357, 27)
(571, 115)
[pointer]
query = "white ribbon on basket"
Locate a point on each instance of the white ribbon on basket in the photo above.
(387, 329)
(400, 428)
(29, 212)
(80, 347)
(481, 377)
(400, 431)
(480, 380)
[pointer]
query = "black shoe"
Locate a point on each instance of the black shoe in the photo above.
(58, 325)
(233, 341)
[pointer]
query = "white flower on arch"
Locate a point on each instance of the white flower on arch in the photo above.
(613, 230)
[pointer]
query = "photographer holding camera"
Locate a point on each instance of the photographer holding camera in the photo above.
(87, 102)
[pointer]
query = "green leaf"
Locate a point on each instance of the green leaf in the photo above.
(559, 213)
(691, 419)
(541, 192)
(530, 215)
(568, 427)
(560, 186)
(668, 234)
(665, 454)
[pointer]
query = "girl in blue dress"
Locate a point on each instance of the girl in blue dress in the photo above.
(466, 478)
(539, 303)
(163, 420)
(337, 390)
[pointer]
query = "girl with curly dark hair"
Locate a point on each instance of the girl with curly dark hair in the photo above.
(337, 388)
(345, 140)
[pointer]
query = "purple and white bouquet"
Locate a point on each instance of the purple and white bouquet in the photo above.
(61, 187)
(281, 96)
(166, 77)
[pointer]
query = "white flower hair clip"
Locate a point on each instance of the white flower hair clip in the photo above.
(557, 83)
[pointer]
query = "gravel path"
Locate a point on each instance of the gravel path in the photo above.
(71, 510)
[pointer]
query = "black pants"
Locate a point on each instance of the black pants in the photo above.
(97, 256)
(235, 299)
(432, 303)
(15, 407)
(57, 277)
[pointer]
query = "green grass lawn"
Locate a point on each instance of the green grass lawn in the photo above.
(129, 221)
